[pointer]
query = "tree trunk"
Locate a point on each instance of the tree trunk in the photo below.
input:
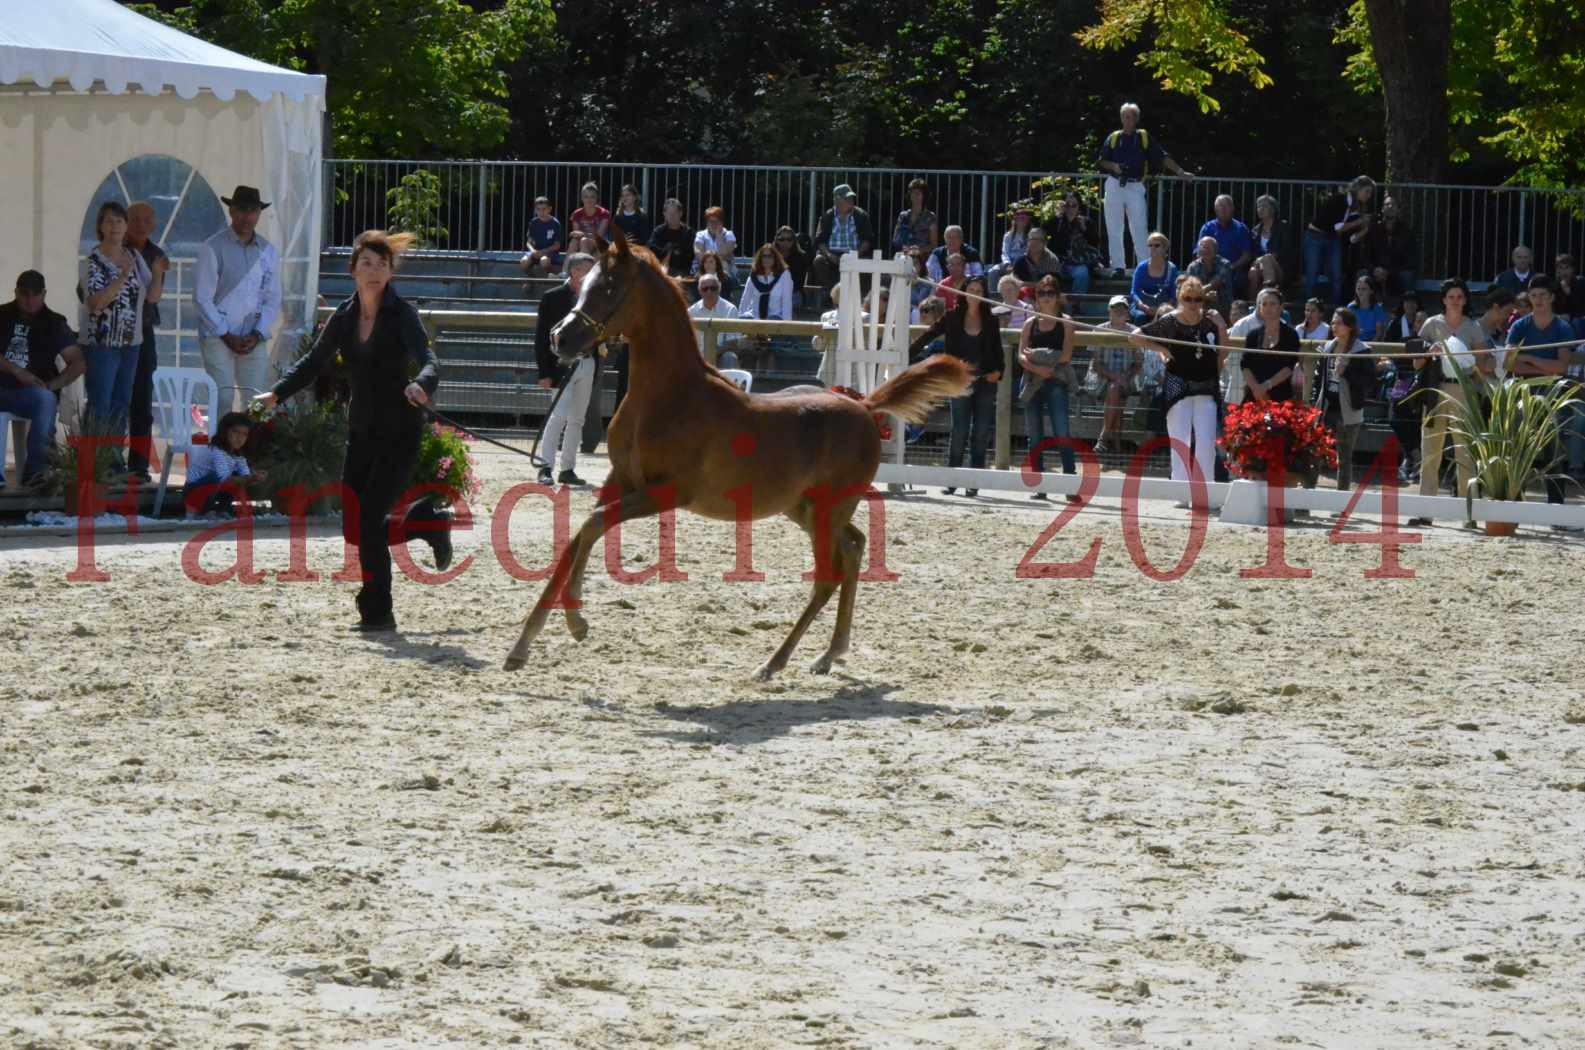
(1413, 41)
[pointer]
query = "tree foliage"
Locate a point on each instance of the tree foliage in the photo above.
(988, 84)
(1189, 43)
(1514, 77)
(411, 78)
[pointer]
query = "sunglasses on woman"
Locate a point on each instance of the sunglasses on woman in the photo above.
(1194, 299)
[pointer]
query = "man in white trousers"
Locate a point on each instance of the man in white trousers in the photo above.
(237, 293)
(1127, 156)
(564, 428)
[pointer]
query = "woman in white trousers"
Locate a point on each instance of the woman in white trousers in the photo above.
(1193, 342)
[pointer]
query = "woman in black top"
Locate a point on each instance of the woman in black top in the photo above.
(972, 333)
(1191, 391)
(1268, 360)
(1045, 388)
(630, 218)
(393, 374)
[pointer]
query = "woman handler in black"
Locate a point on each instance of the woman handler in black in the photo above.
(381, 339)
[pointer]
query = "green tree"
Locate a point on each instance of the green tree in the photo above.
(411, 78)
(1189, 44)
(1512, 83)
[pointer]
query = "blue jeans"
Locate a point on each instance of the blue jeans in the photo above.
(974, 413)
(37, 406)
(111, 371)
(1050, 401)
(1315, 248)
(1080, 276)
(1574, 438)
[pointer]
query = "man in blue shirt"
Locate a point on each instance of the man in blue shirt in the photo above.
(1127, 156)
(1539, 329)
(1233, 242)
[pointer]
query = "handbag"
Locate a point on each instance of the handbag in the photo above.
(1093, 383)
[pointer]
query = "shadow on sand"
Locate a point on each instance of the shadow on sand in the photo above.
(754, 720)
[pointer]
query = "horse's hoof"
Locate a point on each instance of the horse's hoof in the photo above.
(765, 673)
(578, 627)
(822, 665)
(514, 662)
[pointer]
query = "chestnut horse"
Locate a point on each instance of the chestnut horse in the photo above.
(686, 437)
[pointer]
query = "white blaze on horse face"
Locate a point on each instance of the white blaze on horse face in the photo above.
(590, 276)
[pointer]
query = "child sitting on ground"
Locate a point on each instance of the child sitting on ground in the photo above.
(212, 466)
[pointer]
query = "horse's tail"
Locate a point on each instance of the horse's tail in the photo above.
(913, 393)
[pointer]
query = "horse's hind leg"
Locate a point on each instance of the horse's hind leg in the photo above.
(568, 573)
(823, 589)
(849, 551)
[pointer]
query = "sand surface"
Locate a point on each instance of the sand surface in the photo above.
(1220, 812)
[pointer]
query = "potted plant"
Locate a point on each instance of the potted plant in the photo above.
(82, 477)
(300, 449)
(1261, 438)
(1511, 430)
(445, 458)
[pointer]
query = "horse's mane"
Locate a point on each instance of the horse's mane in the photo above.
(647, 258)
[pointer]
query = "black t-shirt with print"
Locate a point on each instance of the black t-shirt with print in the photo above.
(33, 343)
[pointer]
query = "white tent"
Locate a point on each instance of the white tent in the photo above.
(97, 103)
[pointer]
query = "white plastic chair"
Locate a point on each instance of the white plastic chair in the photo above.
(5, 436)
(743, 380)
(176, 391)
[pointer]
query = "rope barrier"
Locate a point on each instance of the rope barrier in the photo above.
(1032, 312)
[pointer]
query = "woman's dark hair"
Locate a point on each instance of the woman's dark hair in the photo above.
(229, 420)
(983, 293)
(1348, 317)
(107, 208)
(628, 187)
(1499, 296)
(919, 184)
(1370, 282)
(388, 246)
(1447, 286)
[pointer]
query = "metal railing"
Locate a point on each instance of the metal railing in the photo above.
(485, 205)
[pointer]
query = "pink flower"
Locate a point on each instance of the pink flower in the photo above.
(445, 464)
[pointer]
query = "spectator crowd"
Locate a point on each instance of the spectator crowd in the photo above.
(1244, 294)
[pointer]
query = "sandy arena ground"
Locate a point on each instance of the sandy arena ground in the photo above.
(1044, 813)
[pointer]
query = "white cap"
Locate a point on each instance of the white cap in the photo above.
(1118, 300)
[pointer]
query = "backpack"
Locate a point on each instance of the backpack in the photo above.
(1116, 137)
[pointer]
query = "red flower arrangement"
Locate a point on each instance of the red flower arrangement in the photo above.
(1259, 435)
(881, 422)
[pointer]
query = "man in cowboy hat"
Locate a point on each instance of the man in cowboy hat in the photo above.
(238, 297)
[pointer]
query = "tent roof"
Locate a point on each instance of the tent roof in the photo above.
(86, 41)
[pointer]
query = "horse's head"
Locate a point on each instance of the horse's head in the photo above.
(604, 301)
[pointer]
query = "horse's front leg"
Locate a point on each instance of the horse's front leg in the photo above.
(566, 581)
